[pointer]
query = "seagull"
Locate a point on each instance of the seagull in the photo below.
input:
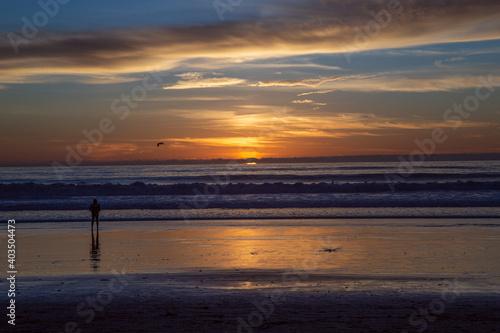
(159, 143)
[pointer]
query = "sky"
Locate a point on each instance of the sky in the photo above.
(98, 81)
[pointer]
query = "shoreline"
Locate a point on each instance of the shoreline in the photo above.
(227, 214)
(261, 279)
(243, 218)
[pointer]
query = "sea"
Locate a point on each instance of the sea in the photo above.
(432, 189)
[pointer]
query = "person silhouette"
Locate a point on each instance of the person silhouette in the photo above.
(95, 208)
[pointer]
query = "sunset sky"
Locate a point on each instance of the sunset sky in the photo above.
(107, 80)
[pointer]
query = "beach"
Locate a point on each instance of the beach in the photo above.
(325, 275)
(261, 248)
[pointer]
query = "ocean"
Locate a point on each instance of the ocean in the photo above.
(465, 189)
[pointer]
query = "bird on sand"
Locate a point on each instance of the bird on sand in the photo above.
(159, 143)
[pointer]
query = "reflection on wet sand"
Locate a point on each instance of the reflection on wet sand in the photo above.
(95, 252)
(370, 251)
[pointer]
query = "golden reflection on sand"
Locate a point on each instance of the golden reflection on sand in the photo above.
(377, 250)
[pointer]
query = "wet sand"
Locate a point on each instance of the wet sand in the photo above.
(221, 277)
(221, 302)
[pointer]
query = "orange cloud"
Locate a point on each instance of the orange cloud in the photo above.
(200, 82)
(300, 82)
(315, 92)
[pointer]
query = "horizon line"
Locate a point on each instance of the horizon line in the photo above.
(270, 160)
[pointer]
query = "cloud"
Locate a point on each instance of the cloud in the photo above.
(407, 81)
(361, 122)
(196, 80)
(292, 32)
(194, 98)
(309, 101)
(410, 83)
(218, 142)
(190, 75)
(255, 106)
(258, 131)
(308, 82)
(303, 101)
(298, 82)
(432, 53)
(316, 92)
(258, 62)
(442, 63)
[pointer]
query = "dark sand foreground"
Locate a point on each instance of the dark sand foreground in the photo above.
(220, 302)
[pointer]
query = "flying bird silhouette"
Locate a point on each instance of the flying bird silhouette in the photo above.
(159, 143)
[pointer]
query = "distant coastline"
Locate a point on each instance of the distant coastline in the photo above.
(270, 160)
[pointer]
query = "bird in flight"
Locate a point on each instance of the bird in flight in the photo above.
(159, 143)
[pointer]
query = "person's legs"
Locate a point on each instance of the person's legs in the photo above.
(97, 220)
(92, 224)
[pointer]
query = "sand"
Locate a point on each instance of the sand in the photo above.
(221, 277)
(216, 302)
